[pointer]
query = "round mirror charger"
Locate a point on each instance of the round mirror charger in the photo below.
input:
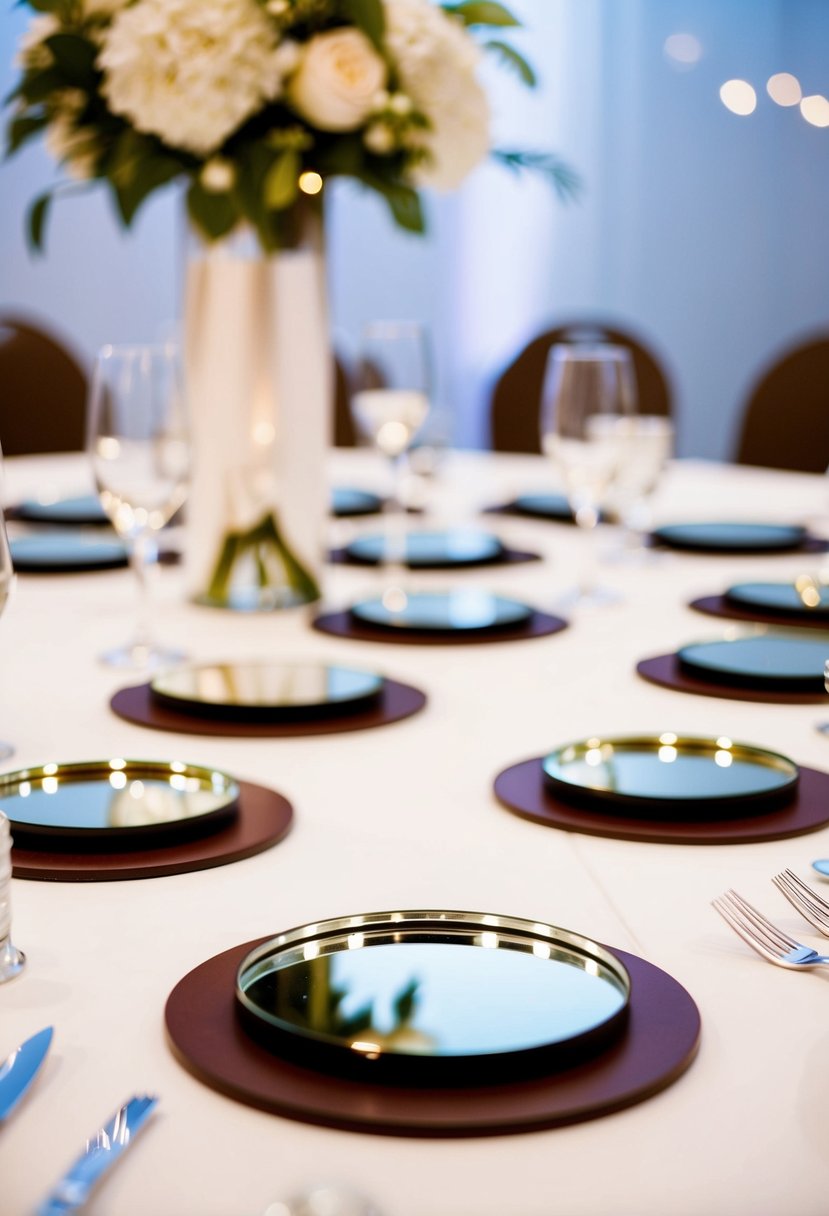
(432, 998)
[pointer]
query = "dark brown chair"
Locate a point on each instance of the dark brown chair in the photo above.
(516, 398)
(42, 391)
(345, 435)
(785, 421)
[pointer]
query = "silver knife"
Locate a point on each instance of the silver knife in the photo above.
(102, 1151)
(19, 1069)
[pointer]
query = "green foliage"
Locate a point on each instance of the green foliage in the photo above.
(36, 219)
(481, 12)
(403, 201)
(24, 128)
(405, 1003)
(214, 215)
(75, 59)
(368, 16)
(46, 6)
(509, 56)
(280, 186)
(565, 181)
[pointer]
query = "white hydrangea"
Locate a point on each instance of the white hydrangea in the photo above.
(190, 72)
(437, 60)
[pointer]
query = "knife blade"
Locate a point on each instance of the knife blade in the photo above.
(102, 1151)
(20, 1068)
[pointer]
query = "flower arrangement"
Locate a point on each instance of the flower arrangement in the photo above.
(255, 104)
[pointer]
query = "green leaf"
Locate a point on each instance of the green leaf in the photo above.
(42, 6)
(38, 86)
(368, 16)
(253, 165)
(564, 180)
(22, 129)
(344, 157)
(74, 58)
(136, 169)
(36, 220)
(481, 12)
(405, 1002)
(122, 163)
(512, 59)
(280, 185)
(404, 202)
(214, 214)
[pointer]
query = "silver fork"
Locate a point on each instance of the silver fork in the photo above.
(809, 904)
(770, 942)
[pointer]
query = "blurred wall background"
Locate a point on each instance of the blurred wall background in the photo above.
(703, 229)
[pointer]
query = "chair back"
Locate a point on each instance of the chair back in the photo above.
(515, 407)
(344, 432)
(785, 421)
(43, 392)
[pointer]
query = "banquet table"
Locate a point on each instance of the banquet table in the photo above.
(405, 816)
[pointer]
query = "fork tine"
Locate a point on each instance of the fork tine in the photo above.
(727, 913)
(755, 930)
(807, 902)
(776, 938)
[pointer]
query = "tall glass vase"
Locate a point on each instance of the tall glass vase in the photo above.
(259, 374)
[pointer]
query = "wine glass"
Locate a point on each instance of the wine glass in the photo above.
(390, 405)
(139, 445)
(588, 394)
(647, 442)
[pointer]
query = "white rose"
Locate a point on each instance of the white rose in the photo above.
(337, 80)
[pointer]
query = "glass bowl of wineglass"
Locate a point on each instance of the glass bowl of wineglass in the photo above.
(138, 441)
(647, 443)
(589, 392)
(390, 404)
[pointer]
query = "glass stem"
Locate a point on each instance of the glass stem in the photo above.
(587, 519)
(143, 559)
(637, 524)
(395, 524)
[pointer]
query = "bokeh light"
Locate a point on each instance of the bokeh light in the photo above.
(738, 96)
(815, 109)
(684, 50)
(784, 89)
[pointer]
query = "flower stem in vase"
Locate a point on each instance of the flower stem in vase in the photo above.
(281, 579)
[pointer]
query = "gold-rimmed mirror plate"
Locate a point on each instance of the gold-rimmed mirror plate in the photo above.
(643, 770)
(116, 800)
(267, 689)
(421, 994)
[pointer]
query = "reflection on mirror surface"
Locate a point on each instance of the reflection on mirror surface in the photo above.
(115, 794)
(478, 993)
(770, 656)
(470, 609)
(670, 768)
(806, 596)
(423, 548)
(267, 685)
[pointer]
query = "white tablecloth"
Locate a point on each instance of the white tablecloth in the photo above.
(404, 816)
